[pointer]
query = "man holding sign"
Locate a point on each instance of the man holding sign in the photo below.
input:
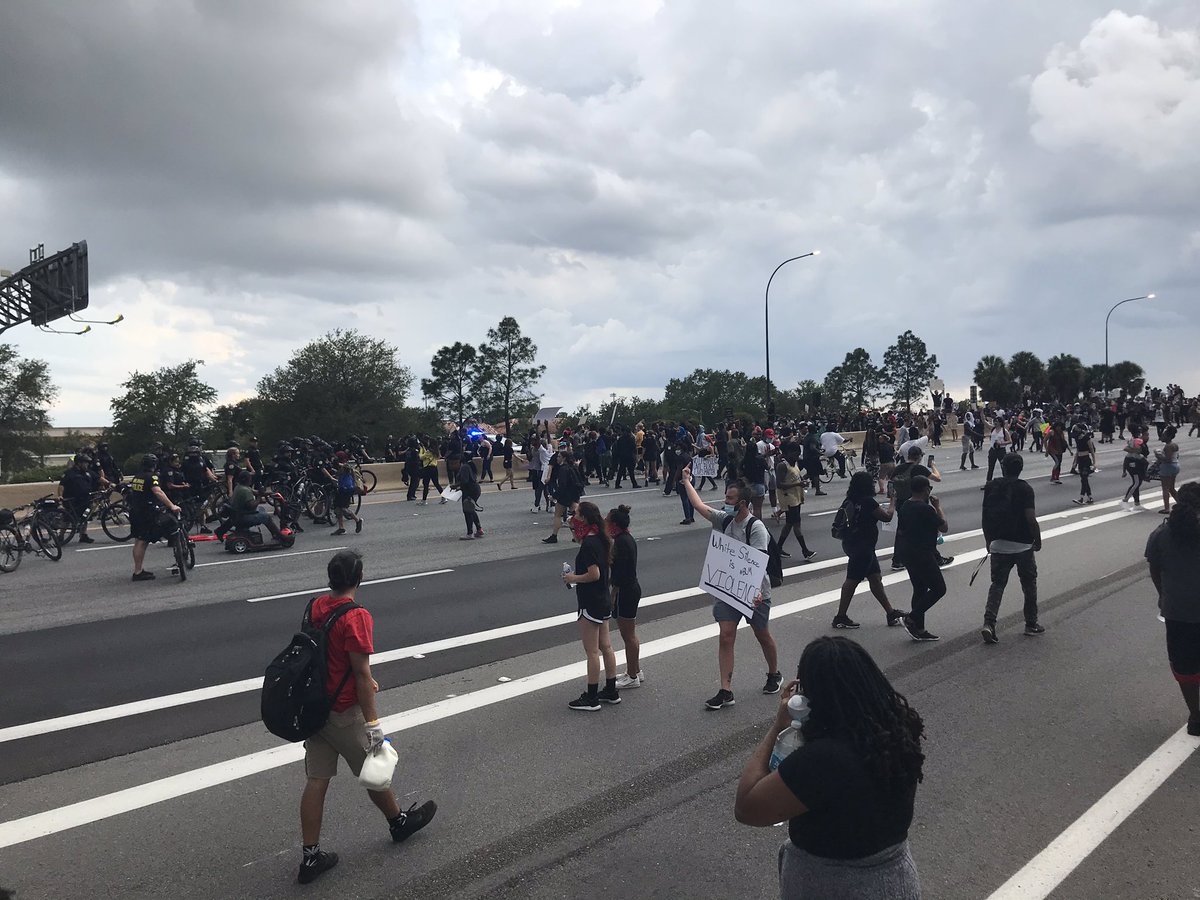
(735, 573)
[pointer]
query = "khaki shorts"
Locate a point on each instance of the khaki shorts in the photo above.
(344, 735)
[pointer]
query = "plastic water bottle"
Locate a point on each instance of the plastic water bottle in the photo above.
(790, 738)
(567, 570)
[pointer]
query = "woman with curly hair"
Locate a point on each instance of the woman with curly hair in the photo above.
(847, 793)
(1173, 553)
(590, 579)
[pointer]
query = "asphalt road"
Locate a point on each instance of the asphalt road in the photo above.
(1022, 738)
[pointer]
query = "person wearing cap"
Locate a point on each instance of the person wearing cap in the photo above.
(75, 491)
(146, 497)
(254, 463)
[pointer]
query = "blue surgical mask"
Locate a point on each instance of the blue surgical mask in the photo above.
(729, 509)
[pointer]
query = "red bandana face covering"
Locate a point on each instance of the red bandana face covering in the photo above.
(582, 529)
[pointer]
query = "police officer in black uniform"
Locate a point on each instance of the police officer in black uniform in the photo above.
(108, 466)
(75, 490)
(146, 498)
(254, 462)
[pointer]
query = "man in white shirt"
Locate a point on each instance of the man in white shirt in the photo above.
(831, 443)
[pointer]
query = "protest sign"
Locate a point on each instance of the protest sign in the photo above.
(705, 467)
(733, 571)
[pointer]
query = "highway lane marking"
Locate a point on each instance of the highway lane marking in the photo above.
(254, 557)
(319, 590)
(84, 812)
(108, 547)
(152, 704)
(1039, 877)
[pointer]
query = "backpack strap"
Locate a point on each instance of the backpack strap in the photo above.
(326, 628)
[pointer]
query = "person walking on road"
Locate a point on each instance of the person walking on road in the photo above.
(858, 543)
(1136, 451)
(1001, 438)
(468, 483)
(733, 520)
(343, 498)
(590, 578)
(1056, 446)
(353, 729)
(848, 792)
(1085, 463)
(567, 483)
(921, 520)
(429, 472)
(627, 593)
(1168, 469)
(1012, 536)
(790, 489)
(1173, 555)
(146, 498)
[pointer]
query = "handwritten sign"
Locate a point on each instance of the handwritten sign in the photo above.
(705, 467)
(733, 571)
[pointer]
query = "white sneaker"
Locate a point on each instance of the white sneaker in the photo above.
(624, 681)
(534, 510)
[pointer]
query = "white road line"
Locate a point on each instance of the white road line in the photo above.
(1039, 877)
(64, 818)
(168, 701)
(254, 557)
(320, 590)
(106, 547)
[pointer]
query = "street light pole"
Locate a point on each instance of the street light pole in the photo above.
(1106, 318)
(767, 318)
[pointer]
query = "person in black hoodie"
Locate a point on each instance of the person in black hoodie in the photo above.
(468, 483)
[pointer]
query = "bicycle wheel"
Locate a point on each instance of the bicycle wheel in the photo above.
(114, 519)
(10, 549)
(63, 522)
(177, 545)
(191, 555)
(356, 503)
(47, 540)
(369, 480)
(827, 472)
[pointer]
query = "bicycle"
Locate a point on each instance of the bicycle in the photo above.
(11, 545)
(171, 530)
(829, 465)
(35, 532)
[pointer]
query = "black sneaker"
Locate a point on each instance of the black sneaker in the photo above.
(989, 634)
(337, 533)
(721, 698)
(896, 617)
(897, 568)
(358, 527)
(143, 576)
(921, 634)
(774, 680)
(584, 703)
(844, 622)
(1034, 629)
(609, 695)
(945, 560)
(809, 554)
(785, 554)
(84, 539)
(415, 818)
(553, 539)
(321, 863)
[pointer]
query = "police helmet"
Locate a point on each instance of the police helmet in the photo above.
(149, 462)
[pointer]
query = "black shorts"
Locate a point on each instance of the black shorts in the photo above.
(628, 600)
(343, 499)
(1183, 651)
(144, 525)
(861, 561)
(793, 514)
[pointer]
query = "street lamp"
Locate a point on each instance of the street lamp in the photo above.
(767, 319)
(1106, 318)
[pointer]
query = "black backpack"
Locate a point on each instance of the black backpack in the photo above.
(294, 703)
(774, 557)
(1000, 520)
(845, 519)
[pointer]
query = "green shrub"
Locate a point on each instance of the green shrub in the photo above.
(38, 473)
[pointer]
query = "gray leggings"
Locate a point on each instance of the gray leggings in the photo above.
(890, 873)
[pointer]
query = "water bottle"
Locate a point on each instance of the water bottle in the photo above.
(567, 570)
(790, 738)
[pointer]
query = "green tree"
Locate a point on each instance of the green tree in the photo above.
(164, 405)
(1064, 373)
(343, 383)
(508, 371)
(907, 368)
(26, 393)
(1094, 377)
(860, 379)
(1028, 371)
(1127, 376)
(707, 393)
(455, 380)
(835, 392)
(231, 422)
(995, 381)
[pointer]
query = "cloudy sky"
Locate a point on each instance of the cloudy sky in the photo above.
(619, 175)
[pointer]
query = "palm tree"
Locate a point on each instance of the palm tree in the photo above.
(1065, 374)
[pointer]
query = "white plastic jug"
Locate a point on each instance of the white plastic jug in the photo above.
(377, 768)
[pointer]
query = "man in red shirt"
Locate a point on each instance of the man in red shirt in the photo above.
(353, 729)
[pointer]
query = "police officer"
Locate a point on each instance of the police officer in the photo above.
(75, 490)
(146, 498)
(108, 466)
(254, 463)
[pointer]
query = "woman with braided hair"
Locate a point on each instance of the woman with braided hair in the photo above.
(1173, 553)
(847, 793)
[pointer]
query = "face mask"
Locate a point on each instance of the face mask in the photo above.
(729, 509)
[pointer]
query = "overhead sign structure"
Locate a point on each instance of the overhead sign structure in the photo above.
(49, 288)
(733, 571)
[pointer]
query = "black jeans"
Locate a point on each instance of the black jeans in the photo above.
(994, 456)
(1002, 565)
(625, 467)
(535, 478)
(927, 583)
(428, 474)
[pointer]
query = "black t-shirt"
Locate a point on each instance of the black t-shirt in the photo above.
(255, 457)
(232, 468)
(918, 526)
(77, 485)
(592, 552)
(141, 493)
(624, 564)
(507, 452)
(849, 815)
(866, 530)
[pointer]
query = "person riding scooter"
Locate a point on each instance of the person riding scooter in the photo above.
(244, 512)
